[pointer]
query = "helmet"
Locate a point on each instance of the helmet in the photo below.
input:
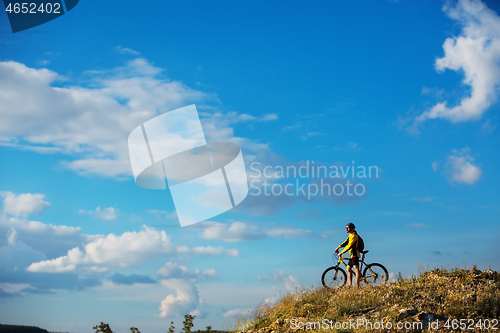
(351, 225)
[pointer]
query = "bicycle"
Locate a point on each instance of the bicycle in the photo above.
(373, 274)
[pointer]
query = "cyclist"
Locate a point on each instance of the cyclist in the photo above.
(351, 245)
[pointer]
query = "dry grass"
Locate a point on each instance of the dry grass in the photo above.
(437, 294)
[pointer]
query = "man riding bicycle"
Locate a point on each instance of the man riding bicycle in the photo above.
(351, 245)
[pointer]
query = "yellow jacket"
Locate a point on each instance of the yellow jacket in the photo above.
(351, 245)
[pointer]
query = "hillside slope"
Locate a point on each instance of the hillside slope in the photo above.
(434, 301)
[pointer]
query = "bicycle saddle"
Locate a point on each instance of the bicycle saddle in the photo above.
(365, 252)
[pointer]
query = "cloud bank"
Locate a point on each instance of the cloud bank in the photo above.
(476, 54)
(460, 167)
(22, 205)
(239, 231)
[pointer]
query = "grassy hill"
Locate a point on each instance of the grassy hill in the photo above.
(434, 301)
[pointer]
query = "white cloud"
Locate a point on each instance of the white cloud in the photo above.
(108, 167)
(214, 251)
(16, 255)
(30, 248)
(460, 167)
(290, 282)
(90, 123)
(476, 52)
(106, 214)
(13, 287)
(218, 127)
(432, 91)
(125, 50)
(124, 250)
(23, 204)
(174, 270)
(239, 231)
(286, 232)
(240, 312)
(11, 236)
(487, 127)
(185, 301)
(234, 232)
(172, 215)
(52, 240)
(269, 117)
(233, 117)
(130, 248)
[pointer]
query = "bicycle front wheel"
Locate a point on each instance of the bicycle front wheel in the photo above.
(333, 277)
(375, 274)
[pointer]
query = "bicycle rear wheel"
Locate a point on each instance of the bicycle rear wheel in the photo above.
(375, 274)
(333, 277)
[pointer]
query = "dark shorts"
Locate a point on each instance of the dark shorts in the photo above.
(354, 261)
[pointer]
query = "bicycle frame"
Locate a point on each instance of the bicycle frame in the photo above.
(361, 262)
(371, 273)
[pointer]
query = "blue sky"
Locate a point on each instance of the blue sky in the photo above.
(410, 87)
